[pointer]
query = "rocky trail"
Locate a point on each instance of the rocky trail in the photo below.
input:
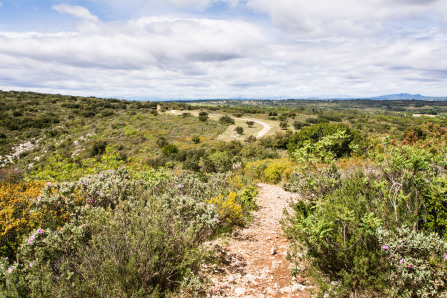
(254, 260)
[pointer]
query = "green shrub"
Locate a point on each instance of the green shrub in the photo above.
(169, 149)
(416, 262)
(298, 124)
(239, 130)
(226, 120)
(314, 134)
(97, 148)
(122, 237)
(195, 139)
(283, 124)
(269, 170)
(347, 220)
(161, 141)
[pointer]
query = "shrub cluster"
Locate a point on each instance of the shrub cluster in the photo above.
(117, 233)
(377, 229)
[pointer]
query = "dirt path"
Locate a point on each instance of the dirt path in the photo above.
(254, 260)
(266, 127)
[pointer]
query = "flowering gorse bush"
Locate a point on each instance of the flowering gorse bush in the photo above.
(228, 207)
(16, 220)
(269, 170)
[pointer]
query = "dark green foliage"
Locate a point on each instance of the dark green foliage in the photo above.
(195, 139)
(313, 120)
(277, 141)
(348, 221)
(298, 124)
(283, 125)
(316, 133)
(161, 141)
(97, 148)
(203, 116)
(169, 149)
(226, 120)
(239, 130)
(250, 123)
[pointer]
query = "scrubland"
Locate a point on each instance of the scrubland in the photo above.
(118, 198)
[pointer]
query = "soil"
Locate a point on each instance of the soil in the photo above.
(254, 260)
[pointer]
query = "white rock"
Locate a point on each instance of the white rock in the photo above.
(285, 290)
(297, 286)
(239, 291)
(270, 291)
(251, 278)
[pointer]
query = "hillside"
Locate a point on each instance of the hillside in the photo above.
(106, 197)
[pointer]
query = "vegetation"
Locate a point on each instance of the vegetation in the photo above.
(133, 191)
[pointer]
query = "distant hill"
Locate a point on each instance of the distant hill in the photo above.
(401, 96)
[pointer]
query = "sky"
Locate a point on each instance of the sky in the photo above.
(206, 49)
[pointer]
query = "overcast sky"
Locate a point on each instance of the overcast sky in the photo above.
(162, 49)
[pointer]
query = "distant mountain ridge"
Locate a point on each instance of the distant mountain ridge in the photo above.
(402, 96)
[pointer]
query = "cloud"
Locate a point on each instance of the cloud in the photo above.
(75, 11)
(314, 48)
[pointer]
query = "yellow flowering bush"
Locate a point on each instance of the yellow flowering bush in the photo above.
(16, 221)
(228, 207)
(270, 170)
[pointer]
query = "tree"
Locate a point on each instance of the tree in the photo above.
(250, 123)
(283, 124)
(203, 116)
(169, 149)
(226, 120)
(239, 130)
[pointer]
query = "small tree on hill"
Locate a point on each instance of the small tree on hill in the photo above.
(203, 116)
(239, 130)
(250, 123)
(226, 120)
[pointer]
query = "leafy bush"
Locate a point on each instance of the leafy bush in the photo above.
(98, 148)
(228, 208)
(346, 221)
(327, 149)
(195, 139)
(169, 149)
(339, 146)
(143, 235)
(298, 124)
(269, 170)
(226, 120)
(239, 130)
(283, 124)
(203, 116)
(416, 262)
(161, 141)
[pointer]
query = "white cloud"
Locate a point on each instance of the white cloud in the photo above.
(76, 11)
(321, 47)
